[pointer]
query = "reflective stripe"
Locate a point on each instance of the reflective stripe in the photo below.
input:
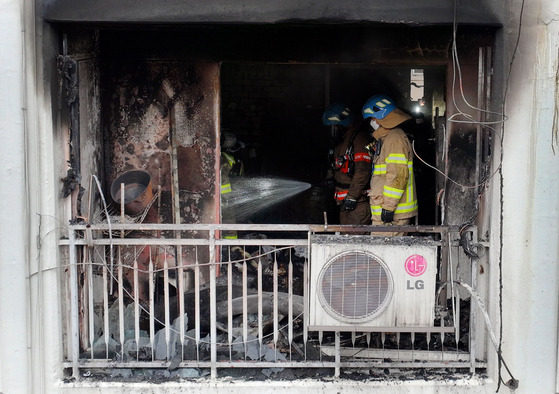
(230, 237)
(362, 157)
(376, 210)
(397, 158)
(226, 188)
(392, 192)
(339, 195)
(406, 207)
(410, 187)
(230, 159)
(334, 118)
(383, 103)
(379, 169)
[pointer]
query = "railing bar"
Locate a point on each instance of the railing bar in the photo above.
(306, 283)
(457, 316)
(142, 241)
(213, 309)
(260, 310)
(263, 242)
(398, 334)
(167, 307)
(136, 306)
(74, 306)
(314, 228)
(151, 306)
(106, 330)
(320, 339)
(180, 295)
(90, 302)
(442, 345)
(428, 339)
(434, 329)
(290, 296)
(211, 227)
(473, 311)
(338, 354)
(245, 307)
(195, 242)
(120, 298)
(186, 242)
(197, 304)
(412, 343)
(230, 304)
(353, 339)
(283, 364)
(275, 290)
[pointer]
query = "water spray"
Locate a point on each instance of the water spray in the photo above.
(250, 195)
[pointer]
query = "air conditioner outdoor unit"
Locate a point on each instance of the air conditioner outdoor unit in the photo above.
(364, 283)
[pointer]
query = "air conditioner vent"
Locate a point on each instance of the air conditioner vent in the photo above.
(359, 282)
(355, 286)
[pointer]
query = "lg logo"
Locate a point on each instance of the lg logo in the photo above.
(415, 265)
(417, 285)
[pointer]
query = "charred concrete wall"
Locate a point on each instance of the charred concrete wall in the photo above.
(152, 105)
(272, 11)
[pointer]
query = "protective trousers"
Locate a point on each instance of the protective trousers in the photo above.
(360, 215)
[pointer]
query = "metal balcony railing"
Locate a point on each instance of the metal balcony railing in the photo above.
(180, 301)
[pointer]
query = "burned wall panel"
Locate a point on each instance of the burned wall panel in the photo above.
(91, 147)
(152, 105)
(465, 160)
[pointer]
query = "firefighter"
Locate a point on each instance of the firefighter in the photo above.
(350, 164)
(393, 197)
(231, 166)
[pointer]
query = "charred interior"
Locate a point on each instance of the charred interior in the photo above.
(163, 100)
(268, 86)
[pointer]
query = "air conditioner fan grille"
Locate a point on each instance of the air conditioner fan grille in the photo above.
(355, 286)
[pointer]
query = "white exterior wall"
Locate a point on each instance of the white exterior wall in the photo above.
(30, 343)
(531, 199)
(14, 294)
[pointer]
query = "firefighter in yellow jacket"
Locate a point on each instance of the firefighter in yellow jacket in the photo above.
(350, 164)
(230, 167)
(393, 196)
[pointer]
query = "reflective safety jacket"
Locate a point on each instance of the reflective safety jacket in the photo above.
(355, 184)
(227, 163)
(227, 212)
(393, 183)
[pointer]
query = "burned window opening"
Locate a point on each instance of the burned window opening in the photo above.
(137, 124)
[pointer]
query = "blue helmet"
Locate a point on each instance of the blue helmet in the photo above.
(337, 113)
(378, 107)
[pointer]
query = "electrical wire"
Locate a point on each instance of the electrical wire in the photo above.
(485, 182)
(501, 195)
(457, 70)
(512, 383)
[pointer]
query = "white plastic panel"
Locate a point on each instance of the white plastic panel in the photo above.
(358, 281)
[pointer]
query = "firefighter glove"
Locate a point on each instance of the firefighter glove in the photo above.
(348, 204)
(387, 216)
